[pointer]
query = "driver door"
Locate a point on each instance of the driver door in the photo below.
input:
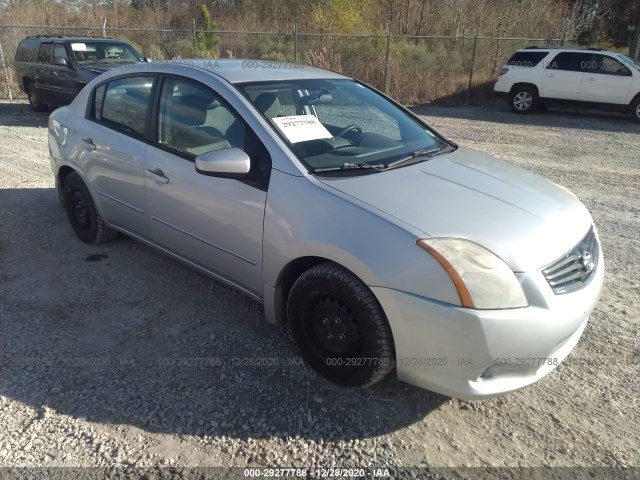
(213, 223)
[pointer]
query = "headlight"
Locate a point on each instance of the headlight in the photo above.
(59, 131)
(482, 279)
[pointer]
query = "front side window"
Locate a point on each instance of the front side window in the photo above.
(610, 66)
(122, 104)
(104, 52)
(44, 54)
(59, 51)
(193, 120)
(335, 124)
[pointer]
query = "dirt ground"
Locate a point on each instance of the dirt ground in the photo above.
(98, 343)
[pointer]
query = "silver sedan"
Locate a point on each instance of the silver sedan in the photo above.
(382, 244)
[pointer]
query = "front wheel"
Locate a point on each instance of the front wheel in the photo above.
(82, 213)
(635, 111)
(339, 327)
(523, 100)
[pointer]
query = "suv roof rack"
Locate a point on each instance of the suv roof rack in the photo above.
(557, 47)
(69, 36)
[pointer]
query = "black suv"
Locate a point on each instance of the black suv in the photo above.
(53, 69)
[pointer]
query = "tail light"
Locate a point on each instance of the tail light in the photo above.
(504, 69)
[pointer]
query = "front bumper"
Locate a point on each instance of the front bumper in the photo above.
(475, 354)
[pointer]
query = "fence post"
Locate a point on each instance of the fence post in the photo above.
(473, 64)
(103, 24)
(386, 61)
(6, 72)
(295, 42)
(195, 50)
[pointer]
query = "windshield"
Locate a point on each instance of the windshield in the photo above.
(629, 61)
(332, 124)
(104, 52)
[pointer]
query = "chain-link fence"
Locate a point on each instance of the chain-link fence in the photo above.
(412, 70)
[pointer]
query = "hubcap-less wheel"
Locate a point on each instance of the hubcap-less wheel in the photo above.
(638, 111)
(332, 328)
(340, 327)
(523, 101)
(82, 213)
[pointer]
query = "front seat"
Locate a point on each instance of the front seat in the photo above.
(188, 131)
(268, 104)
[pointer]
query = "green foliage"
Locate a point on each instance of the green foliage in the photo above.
(206, 39)
(340, 16)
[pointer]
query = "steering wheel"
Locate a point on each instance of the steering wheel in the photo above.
(348, 128)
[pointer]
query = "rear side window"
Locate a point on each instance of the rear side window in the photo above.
(122, 104)
(27, 51)
(526, 59)
(44, 54)
(568, 61)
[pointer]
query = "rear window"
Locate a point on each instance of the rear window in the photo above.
(526, 59)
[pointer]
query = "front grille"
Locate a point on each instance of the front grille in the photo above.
(574, 270)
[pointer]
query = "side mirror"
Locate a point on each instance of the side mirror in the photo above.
(226, 163)
(60, 62)
(147, 59)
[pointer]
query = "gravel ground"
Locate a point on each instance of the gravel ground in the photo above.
(116, 355)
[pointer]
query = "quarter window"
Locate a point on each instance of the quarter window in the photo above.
(122, 104)
(44, 54)
(194, 120)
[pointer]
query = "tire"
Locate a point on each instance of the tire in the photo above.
(635, 110)
(34, 98)
(523, 100)
(339, 327)
(82, 213)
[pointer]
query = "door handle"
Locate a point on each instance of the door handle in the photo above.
(590, 79)
(549, 75)
(89, 143)
(158, 175)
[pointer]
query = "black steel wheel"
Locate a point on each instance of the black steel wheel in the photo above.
(339, 327)
(82, 213)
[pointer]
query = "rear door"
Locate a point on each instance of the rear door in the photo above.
(562, 77)
(112, 150)
(42, 73)
(606, 80)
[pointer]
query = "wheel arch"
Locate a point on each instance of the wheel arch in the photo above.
(525, 84)
(287, 277)
(634, 99)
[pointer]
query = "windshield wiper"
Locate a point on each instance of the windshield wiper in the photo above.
(350, 166)
(425, 152)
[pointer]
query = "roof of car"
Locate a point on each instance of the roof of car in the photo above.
(73, 38)
(568, 49)
(238, 71)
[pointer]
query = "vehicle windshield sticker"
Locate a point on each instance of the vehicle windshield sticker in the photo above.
(79, 47)
(300, 128)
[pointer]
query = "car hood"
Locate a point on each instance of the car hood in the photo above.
(523, 218)
(101, 68)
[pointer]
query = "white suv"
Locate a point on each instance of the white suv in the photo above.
(588, 77)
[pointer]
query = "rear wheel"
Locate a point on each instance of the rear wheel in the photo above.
(82, 213)
(523, 99)
(34, 98)
(635, 110)
(340, 327)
